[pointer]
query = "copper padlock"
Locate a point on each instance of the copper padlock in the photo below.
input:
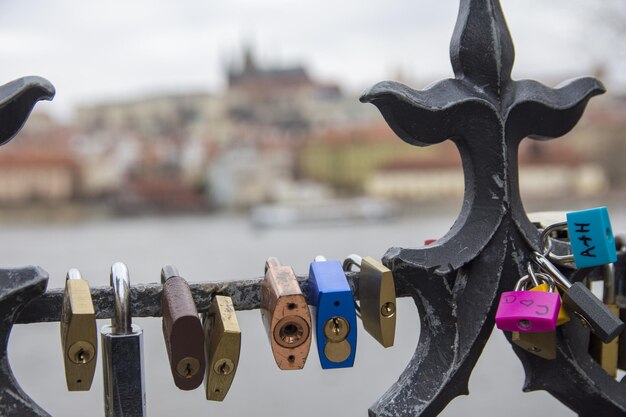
(182, 331)
(286, 316)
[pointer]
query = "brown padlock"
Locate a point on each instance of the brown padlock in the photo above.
(182, 331)
(286, 316)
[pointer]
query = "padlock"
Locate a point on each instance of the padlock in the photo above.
(621, 353)
(527, 311)
(591, 237)
(543, 219)
(222, 347)
(182, 330)
(286, 316)
(335, 318)
(79, 338)
(586, 306)
(122, 354)
(620, 272)
(542, 344)
(377, 294)
(620, 276)
(545, 283)
(606, 354)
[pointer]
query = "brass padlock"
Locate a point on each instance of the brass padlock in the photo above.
(222, 347)
(620, 281)
(286, 316)
(182, 330)
(543, 219)
(377, 294)
(542, 344)
(79, 338)
(606, 354)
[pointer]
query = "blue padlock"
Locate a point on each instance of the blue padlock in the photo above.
(591, 237)
(335, 316)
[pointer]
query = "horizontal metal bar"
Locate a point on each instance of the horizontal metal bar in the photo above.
(146, 298)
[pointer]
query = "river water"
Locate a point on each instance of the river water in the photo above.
(216, 248)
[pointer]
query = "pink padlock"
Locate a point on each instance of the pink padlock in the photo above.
(527, 311)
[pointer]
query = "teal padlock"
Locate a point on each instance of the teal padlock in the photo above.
(591, 237)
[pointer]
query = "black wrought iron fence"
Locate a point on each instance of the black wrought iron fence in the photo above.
(456, 282)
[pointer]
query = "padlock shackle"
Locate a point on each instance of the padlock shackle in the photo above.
(352, 260)
(272, 262)
(520, 285)
(167, 272)
(120, 281)
(546, 243)
(533, 275)
(73, 274)
(560, 279)
(609, 291)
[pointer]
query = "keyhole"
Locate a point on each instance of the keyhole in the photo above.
(224, 366)
(188, 367)
(82, 356)
(224, 369)
(336, 326)
(388, 309)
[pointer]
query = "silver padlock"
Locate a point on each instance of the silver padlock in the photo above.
(122, 353)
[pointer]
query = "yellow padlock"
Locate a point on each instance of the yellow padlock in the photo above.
(563, 317)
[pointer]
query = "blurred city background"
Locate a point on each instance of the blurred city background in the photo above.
(198, 133)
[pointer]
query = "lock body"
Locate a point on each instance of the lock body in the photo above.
(621, 358)
(528, 311)
(542, 344)
(182, 332)
(123, 371)
(79, 338)
(335, 317)
(607, 354)
(377, 294)
(562, 317)
(591, 237)
(223, 345)
(286, 316)
(122, 354)
(594, 314)
(587, 307)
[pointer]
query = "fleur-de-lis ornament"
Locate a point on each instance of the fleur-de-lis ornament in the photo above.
(17, 286)
(17, 99)
(456, 282)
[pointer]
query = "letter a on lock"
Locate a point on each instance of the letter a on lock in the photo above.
(591, 237)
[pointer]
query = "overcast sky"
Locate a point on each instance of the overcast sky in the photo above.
(110, 49)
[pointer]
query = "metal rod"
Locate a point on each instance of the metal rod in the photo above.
(146, 298)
